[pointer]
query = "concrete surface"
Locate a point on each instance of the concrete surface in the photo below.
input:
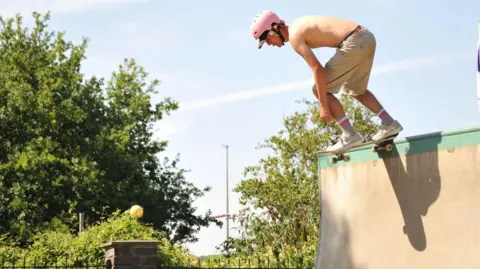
(404, 211)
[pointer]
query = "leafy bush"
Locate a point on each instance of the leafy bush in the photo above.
(65, 248)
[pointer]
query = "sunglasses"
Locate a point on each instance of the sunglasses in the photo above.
(266, 34)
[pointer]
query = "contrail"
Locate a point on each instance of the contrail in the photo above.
(404, 65)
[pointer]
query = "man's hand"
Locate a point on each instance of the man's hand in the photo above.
(325, 114)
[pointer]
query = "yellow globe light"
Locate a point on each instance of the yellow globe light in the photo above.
(136, 211)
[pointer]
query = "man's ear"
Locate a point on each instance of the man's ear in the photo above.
(277, 26)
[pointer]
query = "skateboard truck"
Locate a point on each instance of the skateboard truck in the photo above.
(340, 157)
(384, 144)
(387, 147)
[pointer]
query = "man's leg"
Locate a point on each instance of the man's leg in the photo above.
(338, 69)
(338, 113)
(357, 85)
(370, 101)
(349, 137)
(390, 126)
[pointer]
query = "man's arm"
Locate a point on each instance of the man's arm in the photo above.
(318, 71)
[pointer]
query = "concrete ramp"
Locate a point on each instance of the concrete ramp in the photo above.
(416, 207)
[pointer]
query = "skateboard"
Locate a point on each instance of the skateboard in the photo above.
(385, 144)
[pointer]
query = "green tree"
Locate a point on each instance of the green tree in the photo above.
(72, 144)
(281, 192)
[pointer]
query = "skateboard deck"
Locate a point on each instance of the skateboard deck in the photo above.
(385, 144)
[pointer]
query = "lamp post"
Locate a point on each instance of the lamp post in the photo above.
(228, 220)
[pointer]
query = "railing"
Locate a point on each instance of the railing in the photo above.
(232, 263)
(24, 263)
(209, 263)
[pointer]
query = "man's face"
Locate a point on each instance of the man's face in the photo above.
(272, 39)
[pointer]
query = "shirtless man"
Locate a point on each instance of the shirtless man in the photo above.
(349, 68)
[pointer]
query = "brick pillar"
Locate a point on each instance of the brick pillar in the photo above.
(131, 254)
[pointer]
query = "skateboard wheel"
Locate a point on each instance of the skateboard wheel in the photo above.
(389, 147)
(346, 158)
(333, 160)
(374, 148)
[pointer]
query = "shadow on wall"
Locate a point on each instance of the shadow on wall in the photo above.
(333, 251)
(416, 186)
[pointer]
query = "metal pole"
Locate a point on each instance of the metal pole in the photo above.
(228, 217)
(82, 223)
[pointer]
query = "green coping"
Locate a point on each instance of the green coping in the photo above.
(409, 145)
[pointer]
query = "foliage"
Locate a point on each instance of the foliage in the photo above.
(72, 144)
(64, 248)
(281, 192)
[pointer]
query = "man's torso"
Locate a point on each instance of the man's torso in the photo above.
(320, 31)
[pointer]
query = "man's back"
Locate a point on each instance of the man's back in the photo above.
(320, 30)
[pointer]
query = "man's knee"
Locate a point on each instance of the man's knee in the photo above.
(315, 91)
(359, 95)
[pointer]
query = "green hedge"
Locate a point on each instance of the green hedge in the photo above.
(61, 247)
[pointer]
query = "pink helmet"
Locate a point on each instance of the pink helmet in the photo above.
(263, 22)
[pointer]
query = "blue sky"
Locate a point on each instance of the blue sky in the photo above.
(232, 93)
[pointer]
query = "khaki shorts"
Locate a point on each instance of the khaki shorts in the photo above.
(351, 65)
